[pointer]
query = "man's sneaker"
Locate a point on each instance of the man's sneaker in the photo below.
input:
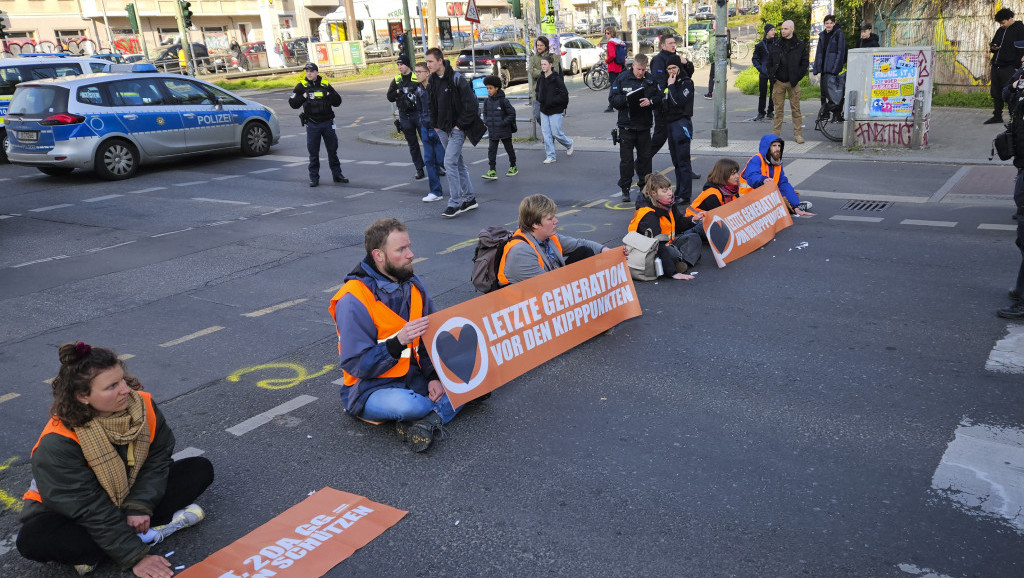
(314, 182)
(340, 179)
(419, 434)
(548, 161)
(190, 516)
(805, 205)
(1015, 311)
(491, 175)
(450, 212)
(570, 150)
(759, 117)
(431, 197)
(609, 109)
(420, 174)
(1014, 296)
(512, 171)
(83, 569)
(625, 196)
(799, 139)
(994, 120)
(708, 96)
(696, 176)
(770, 116)
(469, 206)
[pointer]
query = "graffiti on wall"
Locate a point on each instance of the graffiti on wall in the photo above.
(79, 46)
(895, 133)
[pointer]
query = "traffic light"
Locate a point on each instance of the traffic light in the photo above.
(5, 23)
(186, 13)
(517, 9)
(133, 17)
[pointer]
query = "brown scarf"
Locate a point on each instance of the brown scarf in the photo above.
(98, 438)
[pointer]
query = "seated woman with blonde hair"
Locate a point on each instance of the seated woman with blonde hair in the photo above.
(658, 214)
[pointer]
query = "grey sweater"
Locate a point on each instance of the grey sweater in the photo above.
(521, 262)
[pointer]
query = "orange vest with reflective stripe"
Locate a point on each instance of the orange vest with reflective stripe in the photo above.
(502, 279)
(388, 323)
(668, 224)
(708, 192)
(746, 188)
(55, 426)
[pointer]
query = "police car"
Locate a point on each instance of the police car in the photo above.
(14, 71)
(113, 123)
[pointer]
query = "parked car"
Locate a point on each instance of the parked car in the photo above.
(167, 61)
(650, 38)
(704, 13)
(582, 26)
(699, 32)
(110, 57)
(608, 22)
(669, 16)
(579, 54)
(133, 58)
(133, 119)
(506, 60)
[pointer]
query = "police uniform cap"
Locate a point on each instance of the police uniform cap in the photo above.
(311, 66)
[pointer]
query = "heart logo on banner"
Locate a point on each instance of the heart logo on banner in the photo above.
(459, 353)
(719, 235)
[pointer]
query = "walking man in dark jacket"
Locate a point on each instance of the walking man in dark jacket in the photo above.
(830, 57)
(635, 95)
(453, 109)
(402, 92)
(787, 65)
(1005, 59)
(764, 83)
(317, 99)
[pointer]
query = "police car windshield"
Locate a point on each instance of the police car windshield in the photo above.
(10, 76)
(39, 101)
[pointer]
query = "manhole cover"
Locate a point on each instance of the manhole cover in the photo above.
(867, 206)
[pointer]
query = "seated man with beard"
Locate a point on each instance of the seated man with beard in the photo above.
(380, 314)
(767, 164)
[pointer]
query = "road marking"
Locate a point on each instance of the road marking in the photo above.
(398, 164)
(191, 183)
(946, 187)
(279, 158)
(8, 396)
(369, 162)
(996, 227)
(2, 217)
(419, 260)
(218, 223)
(109, 247)
(1007, 356)
(569, 212)
(103, 198)
(318, 204)
(219, 201)
(928, 223)
(980, 472)
(289, 135)
(226, 177)
(856, 219)
(928, 573)
(301, 164)
(267, 416)
(189, 452)
(270, 170)
(354, 195)
(593, 204)
(388, 188)
(149, 190)
(39, 261)
(125, 356)
(273, 308)
(479, 161)
(50, 208)
(467, 243)
(799, 170)
(300, 214)
(191, 336)
(170, 233)
(862, 197)
(334, 289)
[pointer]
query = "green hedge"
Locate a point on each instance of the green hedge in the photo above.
(963, 99)
(746, 81)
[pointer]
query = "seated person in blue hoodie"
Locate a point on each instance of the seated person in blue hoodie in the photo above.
(380, 314)
(767, 164)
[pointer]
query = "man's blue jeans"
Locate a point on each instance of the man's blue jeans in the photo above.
(460, 189)
(433, 156)
(397, 404)
(551, 127)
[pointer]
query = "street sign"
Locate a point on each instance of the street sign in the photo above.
(471, 12)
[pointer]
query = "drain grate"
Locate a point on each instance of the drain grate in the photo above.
(867, 206)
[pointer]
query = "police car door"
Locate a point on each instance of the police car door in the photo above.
(147, 116)
(207, 125)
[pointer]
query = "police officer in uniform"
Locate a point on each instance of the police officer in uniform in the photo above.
(317, 97)
(402, 92)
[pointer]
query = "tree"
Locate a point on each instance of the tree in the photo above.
(775, 12)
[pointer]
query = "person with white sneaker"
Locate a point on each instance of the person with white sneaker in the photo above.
(453, 110)
(104, 485)
(552, 99)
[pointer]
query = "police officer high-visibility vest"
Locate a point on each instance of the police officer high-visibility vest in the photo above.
(765, 170)
(387, 322)
(55, 426)
(519, 237)
(668, 224)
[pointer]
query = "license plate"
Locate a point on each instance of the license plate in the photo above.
(27, 136)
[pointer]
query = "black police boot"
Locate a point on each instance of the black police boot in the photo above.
(340, 179)
(625, 196)
(420, 174)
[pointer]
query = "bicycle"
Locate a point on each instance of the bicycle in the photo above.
(596, 78)
(739, 49)
(698, 55)
(830, 117)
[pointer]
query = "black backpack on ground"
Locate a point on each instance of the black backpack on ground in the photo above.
(490, 246)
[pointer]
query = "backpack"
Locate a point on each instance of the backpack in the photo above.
(643, 250)
(620, 54)
(490, 246)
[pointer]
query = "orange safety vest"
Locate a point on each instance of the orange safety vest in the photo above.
(746, 188)
(668, 224)
(519, 237)
(55, 426)
(388, 323)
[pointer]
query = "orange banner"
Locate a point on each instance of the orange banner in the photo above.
(304, 541)
(481, 344)
(739, 227)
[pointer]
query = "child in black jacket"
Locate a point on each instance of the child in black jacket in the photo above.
(500, 118)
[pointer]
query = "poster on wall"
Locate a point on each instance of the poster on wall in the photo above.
(893, 77)
(444, 30)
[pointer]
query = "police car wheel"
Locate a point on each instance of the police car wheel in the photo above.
(116, 159)
(56, 171)
(255, 140)
(6, 148)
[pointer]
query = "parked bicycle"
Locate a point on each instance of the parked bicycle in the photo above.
(830, 120)
(596, 77)
(698, 55)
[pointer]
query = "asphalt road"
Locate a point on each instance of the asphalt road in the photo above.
(783, 416)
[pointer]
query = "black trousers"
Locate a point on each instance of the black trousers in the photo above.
(52, 537)
(414, 145)
(492, 151)
(631, 140)
(579, 254)
(764, 93)
(1018, 197)
(659, 136)
(315, 131)
(1000, 78)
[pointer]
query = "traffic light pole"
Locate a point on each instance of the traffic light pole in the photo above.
(186, 42)
(720, 134)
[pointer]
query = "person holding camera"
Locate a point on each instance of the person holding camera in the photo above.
(402, 92)
(317, 98)
(1013, 95)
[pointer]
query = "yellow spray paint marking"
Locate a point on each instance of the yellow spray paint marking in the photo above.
(457, 246)
(9, 502)
(297, 374)
(8, 463)
(617, 206)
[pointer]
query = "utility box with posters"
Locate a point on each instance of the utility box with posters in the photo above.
(889, 96)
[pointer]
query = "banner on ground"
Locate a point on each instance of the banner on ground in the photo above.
(483, 343)
(737, 228)
(305, 541)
